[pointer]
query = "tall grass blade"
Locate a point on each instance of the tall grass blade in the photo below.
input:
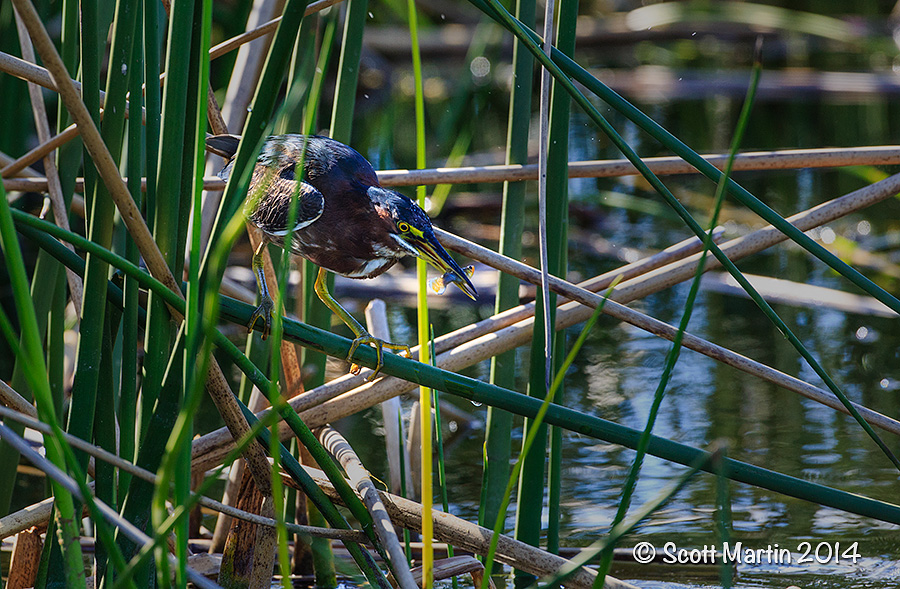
(427, 499)
(128, 385)
(36, 374)
(442, 472)
(558, 240)
(530, 500)
(498, 428)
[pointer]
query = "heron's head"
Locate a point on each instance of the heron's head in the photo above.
(412, 230)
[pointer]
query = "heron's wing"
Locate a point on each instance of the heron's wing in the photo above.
(269, 201)
(223, 145)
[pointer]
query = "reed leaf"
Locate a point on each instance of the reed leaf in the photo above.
(36, 374)
(530, 499)
(425, 467)
(439, 435)
(498, 428)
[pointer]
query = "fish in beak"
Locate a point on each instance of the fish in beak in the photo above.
(430, 250)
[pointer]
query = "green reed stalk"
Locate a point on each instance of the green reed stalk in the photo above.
(301, 72)
(532, 435)
(105, 433)
(153, 103)
(128, 385)
(166, 383)
(166, 223)
(675, 349)
(406, 536)
(348, 70)
(427, 498)
(36, 373)
(99, 220)
(176, 464)
(68, 161)
(439, 434)
(41, 298)
(692, 224)
(314, 311)
(557, 233)
(474, 390)
(723, 519)
(314, 99)
(283, 273)
(498, 428)
(93, 371)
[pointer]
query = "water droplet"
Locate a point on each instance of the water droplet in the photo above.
(124, 69)
(371, 15)
(862, 332)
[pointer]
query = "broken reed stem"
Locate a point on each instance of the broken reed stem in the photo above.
(6, 160)
(359, 479)
(762, 160)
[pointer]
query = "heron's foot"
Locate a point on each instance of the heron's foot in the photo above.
(264, 312)
(367, 338)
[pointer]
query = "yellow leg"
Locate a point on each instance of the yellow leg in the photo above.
(264, 310)
(362, 336)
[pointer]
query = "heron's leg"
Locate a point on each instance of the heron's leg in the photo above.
(264, 310)
(362, 336)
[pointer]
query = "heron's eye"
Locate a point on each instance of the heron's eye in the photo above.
(403, 227)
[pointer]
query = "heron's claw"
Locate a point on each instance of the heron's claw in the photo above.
(367, 338)
(264, 312)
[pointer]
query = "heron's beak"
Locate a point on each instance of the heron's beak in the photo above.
(430, 250)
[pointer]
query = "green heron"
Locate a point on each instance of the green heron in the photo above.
(346, 222)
